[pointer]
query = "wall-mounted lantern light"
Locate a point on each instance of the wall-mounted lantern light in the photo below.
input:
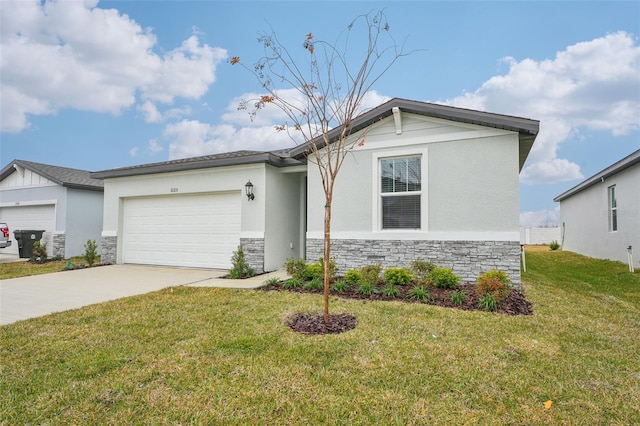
(249, 189)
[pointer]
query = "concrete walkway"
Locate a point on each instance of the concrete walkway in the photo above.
(34, 296)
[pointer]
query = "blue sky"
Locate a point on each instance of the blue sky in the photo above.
(98, 85)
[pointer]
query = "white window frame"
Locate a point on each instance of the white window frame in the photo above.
(612, 200)
(377, 191)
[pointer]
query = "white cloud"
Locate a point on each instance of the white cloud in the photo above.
(540, 218)
(154, 147)
(70, 54)
(133, 151)
(589, 86)
(192, 138)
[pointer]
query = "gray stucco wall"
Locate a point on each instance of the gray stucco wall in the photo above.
(585, 216)
(84, 220)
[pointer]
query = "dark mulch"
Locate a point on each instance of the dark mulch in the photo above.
(315, 324)
(515, 304)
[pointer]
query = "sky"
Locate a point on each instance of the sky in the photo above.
(99, 85)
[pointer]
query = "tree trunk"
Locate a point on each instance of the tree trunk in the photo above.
(327, 257)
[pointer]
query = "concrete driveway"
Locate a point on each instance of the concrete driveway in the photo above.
(29, 297)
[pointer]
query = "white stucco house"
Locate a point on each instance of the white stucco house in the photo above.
(65, 203)
(430, 181)
(601, 215)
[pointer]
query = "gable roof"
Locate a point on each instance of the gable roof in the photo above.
(277, 159)
(625, 163)
(527, 129)
(70, 178)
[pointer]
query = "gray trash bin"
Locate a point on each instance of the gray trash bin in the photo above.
(26, 238)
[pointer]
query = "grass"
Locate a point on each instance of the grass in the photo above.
(221, 356)
(24, 268)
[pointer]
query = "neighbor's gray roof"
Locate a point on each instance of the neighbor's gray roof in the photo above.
(625, 163)
(71, 178)
(526, 128)
(278, 159)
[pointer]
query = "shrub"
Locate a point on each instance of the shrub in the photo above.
(488, 303)
(422, 269)
(39, 250)
(390, 290)
(272, 281)
(444, 278)
(291, 283)
(554, 245)
(371, 273)
(397, 276)
(495, 283)
(313, 271)
(420, 293)
(457, 298)
(240, 268)
(340, 286)
(90, 252)
(353, 276)
(366, 288)
(314, 284)
(296, 268)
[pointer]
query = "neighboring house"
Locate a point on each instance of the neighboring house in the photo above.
(430, 181)
(601, 215)
(65, 203)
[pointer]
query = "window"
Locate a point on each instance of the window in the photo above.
(613, 209)
(400, 191)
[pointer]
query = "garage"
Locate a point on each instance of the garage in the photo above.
(38, 217)
(193, 230)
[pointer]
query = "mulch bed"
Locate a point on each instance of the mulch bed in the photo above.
(515, 304)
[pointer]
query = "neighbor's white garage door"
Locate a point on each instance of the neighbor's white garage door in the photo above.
(182, 230)
(41, 217)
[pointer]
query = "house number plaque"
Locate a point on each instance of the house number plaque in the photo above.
(174, 189)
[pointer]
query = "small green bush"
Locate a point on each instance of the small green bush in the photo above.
(366, 288)
(39, 250)
(314, 284)
(353, 276)
(444, 278)
(240, 268)
(291, 283)
(397, 276)
(457, 298)
(495, 283)
(314, 271)
(390, 290)
(420, 293)
(90, 252)
(488, 303)
(272, 281)
(296, 268)
(371, 273)
(340, 286)
(554, 245)
(422, 269)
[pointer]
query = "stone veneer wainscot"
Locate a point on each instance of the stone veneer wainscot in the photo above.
(467, 259)
(109, 249)
(254, 253)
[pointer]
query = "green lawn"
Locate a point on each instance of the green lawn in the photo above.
(24, 268)
(218, 356)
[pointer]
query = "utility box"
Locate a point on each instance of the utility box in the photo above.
(26, 238)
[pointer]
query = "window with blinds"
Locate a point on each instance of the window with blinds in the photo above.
(401, 191)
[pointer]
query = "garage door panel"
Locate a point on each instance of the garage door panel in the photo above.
(39, 217)
(187, 230)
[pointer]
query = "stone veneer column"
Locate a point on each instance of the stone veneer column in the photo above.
(58, 245)
(109, 250)
(467, 259)
(254, 253)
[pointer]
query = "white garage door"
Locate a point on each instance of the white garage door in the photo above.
(29, 217)
(182, 230)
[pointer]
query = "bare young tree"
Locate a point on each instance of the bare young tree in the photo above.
(329, 89)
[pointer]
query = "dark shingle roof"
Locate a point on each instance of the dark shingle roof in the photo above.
(617, 167)
(278, 159)
(71, 178)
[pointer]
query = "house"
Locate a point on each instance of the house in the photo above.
(430, 181)
(601, 215)
(65, 203)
